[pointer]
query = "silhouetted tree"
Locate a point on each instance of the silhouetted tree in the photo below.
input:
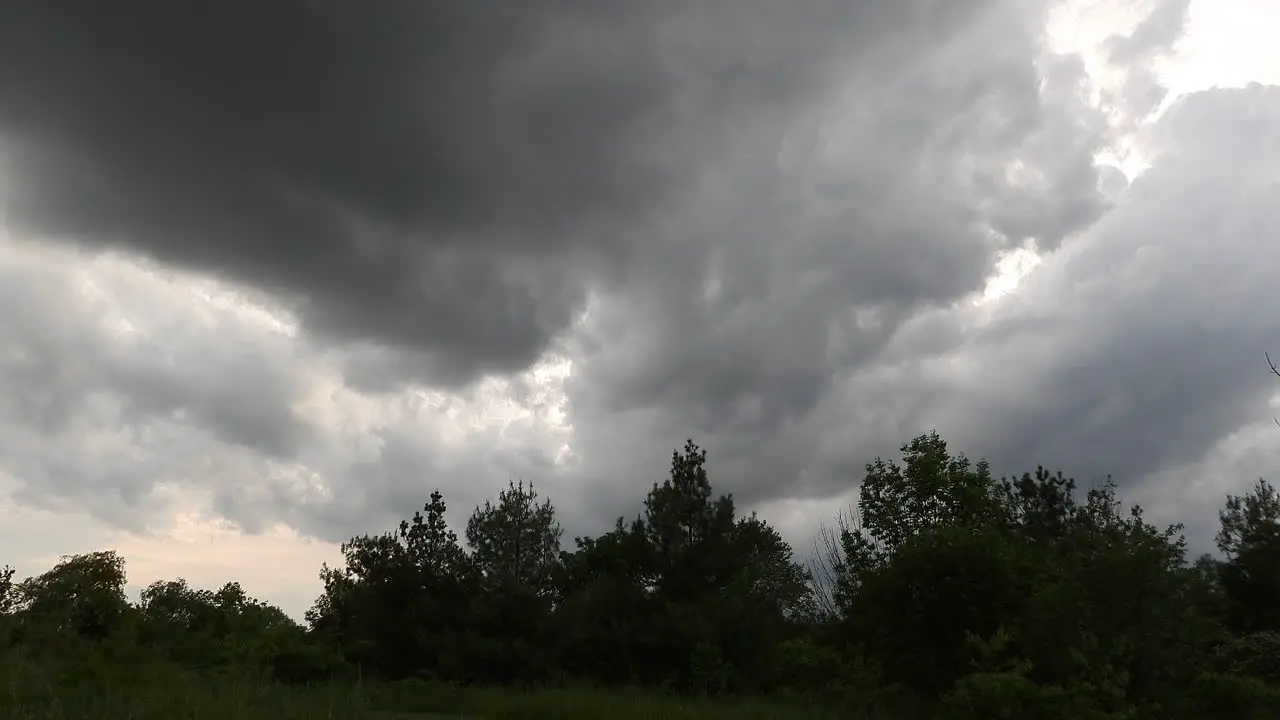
(516, 551)
(1249, 539)
(1010, 597)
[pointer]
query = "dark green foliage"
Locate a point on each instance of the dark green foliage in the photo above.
(945, 593)
(81, 597)
(1256, 655)
(1041, 505)
(516, 555)
(1250, 540)
(1131, 600)
(1084, 596)
(226, 630)
(1216, 696)
(402, 604)
(917, 612)
(1010, 696)
(607, 622)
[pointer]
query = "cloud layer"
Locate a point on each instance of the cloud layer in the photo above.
(297, 267)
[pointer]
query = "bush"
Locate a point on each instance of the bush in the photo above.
(1256, 655)
(803, 664)
(1010, 696)
(307, 663)
(1215, 696)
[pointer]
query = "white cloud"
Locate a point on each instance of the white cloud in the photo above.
(140, 409)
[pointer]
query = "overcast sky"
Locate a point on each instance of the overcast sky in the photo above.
(270, 274)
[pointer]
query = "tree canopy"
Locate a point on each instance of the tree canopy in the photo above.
(943, 583)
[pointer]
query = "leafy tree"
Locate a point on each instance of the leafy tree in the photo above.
(916, 612)
(939, 553)
(943, 590)
(1249, 539)
(768, 571)
(767, 602)
(931, 488)
(224, 630)
(7, 598)
(607, 618)
(82, 596)
(400, 604)
(180, 619)
(1255, 654)
(687, 593)
(1041, 505)
(1136, 626)
(690, 535)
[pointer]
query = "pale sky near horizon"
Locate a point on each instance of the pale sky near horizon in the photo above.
(153, 391)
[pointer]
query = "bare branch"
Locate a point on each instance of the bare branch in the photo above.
(1274, 371)
(824, 569)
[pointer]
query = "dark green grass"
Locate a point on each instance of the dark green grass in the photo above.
(597, 704)
(27, 693)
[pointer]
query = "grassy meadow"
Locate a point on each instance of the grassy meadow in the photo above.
(179, 695)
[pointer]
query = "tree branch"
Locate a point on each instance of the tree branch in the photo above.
(1274, 371)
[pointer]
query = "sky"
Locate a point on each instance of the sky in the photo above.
(268, 277)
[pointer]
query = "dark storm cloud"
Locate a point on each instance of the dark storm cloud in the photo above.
(445, 178)
(893, 201)
(342, 157)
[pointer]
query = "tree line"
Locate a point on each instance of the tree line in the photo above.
(944, 586)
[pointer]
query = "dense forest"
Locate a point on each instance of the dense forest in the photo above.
(946, 592)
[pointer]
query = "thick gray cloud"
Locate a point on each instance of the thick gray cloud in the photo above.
(1139, 348)
(896, 201)
(446, 178)
(756, 223)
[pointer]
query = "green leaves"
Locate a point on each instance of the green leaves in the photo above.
(931, 488)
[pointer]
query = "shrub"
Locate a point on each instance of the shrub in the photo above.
(805, 665)
(1216, 696)
(1256, 655)
(1010, 696)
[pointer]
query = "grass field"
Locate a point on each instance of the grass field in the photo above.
(195, 698)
